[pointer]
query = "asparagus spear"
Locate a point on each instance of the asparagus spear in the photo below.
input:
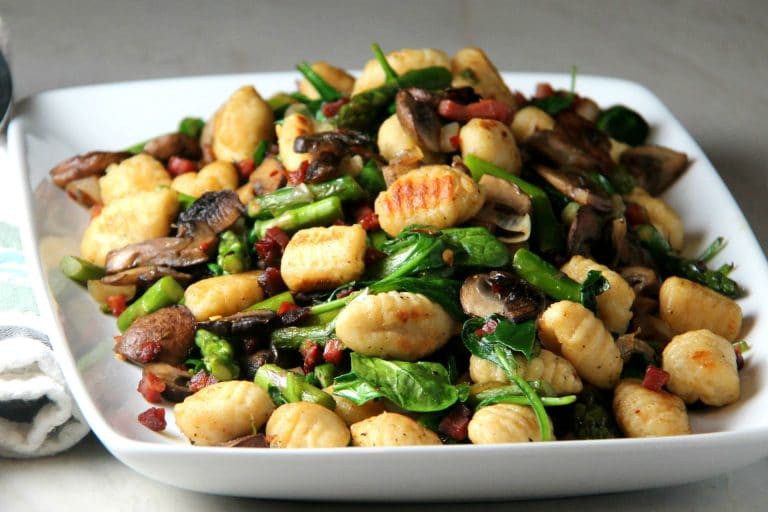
(291, 387)
(165, 292)
(80, 270)
(555, 283)
(367, 109)
(272, 303)
(218, 355)
(321, 212)
(233, 253)
(286, 198)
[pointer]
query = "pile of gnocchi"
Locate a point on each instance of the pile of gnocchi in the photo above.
(417, 255)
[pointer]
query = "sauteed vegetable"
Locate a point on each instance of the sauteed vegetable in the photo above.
(419, 255)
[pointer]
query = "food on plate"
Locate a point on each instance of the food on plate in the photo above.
(420, 255)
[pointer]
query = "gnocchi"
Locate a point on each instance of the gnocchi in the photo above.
(306, 425)
(504, 423)
(241, 124)
(702, 366)
(135, 174)
(223, 411)
(687, 306)
(548, 366)
(223, 295)
(573, 330)
(435, 194)
(394, 325)
(492, 141)
(642, 412)
(391, 429)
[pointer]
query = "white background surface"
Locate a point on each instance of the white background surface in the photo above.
(706, 60)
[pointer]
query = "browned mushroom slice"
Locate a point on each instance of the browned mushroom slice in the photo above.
(244, 323)
(507, 208)
(585, 230)
(219, 210)
(196, 247)
(654, 167)
(250, 441)
(577, 186)
(327, 149)
(165, 336)
(418, 117)
(174, 144)
(84, 191)
(176, 380)
(94, 163)
(500, 293)
(267, 177)
(145, 276)
(629, 344)
(643, 280)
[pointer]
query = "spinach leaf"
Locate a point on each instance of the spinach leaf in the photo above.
(419, 387)
(480, 247)
(554, 104)
(413, 252)
(499, 346)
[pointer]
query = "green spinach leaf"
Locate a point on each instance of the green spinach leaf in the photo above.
(480, 247)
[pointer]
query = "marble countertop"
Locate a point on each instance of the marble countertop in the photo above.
(704, 59)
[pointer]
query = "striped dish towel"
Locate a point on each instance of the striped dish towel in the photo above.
(38, 415)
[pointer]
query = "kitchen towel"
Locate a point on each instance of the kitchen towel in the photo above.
(38, 415)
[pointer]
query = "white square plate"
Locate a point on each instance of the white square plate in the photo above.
(54, 125)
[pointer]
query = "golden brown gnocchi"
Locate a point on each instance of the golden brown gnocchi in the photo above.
(129, 219)
(323, 258)
(529, 120)
(223, 295)
(702, 366)
(504, 423)
(614, 305)
(395, 143)
(335, 77)
(394, 325)
(548, 366)
(688, 306)
(295, 124)
(222, 412)
(571, 329)
(135, 174)
(241, 124)
(472, 67)
(218, 175)
(491, 141)
(662, 216)
(401, 61)
(352, 413)
(391, 429)
(306, 425)
(642, 412)
(435, 194)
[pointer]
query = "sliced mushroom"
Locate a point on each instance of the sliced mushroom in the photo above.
(327, 149)
(176, 380)
(257, 440)
(586, 229)
(145, 276)
(245, 323)
(174, 144)
(418, 116)
(507, 208)
(84, 191)
(197, 246)
(399, 166)
(219, 210)
(500, 293)
(94, 163)
(643, 280)
(654, 167)
(576, 185)
(629, 344)
(165, 336)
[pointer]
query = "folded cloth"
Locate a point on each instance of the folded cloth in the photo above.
(37, 414)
